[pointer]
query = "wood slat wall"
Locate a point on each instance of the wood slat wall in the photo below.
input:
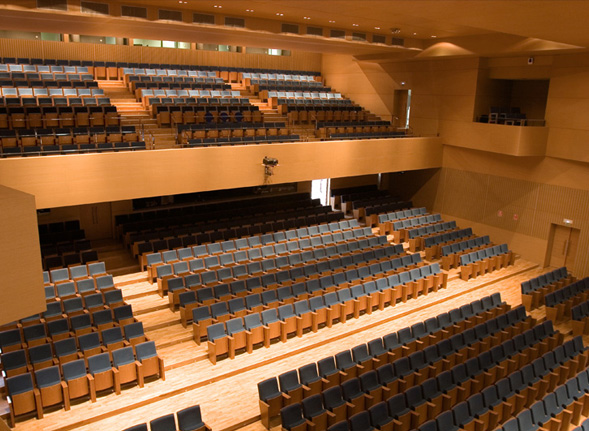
(528, 208)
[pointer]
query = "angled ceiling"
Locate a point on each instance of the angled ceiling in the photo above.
(473, 27)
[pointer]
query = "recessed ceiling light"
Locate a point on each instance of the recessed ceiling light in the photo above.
(249, 10)
(434, 36)
(279, 14)
(377, 28)
(331, 21)
(414, 34)
(219, 6)
(306, 17)
(355, 25)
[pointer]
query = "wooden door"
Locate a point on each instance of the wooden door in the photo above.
(96, 220)
(563, 246)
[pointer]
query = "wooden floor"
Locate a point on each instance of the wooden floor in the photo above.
(227, 392)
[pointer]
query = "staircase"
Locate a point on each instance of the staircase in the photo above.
(131, 112)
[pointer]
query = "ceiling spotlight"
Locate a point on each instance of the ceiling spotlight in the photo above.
(249, 10)
(434, 36)
(414, 34)
(306, 17)
(355, 25)
(395, 30)
(331, 21)
(279, 14)
(218, 6)
(377, 28)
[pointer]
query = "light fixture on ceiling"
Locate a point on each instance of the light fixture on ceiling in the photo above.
(434, 36)
(218, 6)
(249, 10)
(306, 17)
(414, 34)
(395, 30)
(331, 21)
(355, 25)
(377, 28)
(279, 14)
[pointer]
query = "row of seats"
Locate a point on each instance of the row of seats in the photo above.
(336, 124)
(358, 206)
(561, 302)
(312, 113)
(353, 129)
(558, 410)
(59, 385)
(232, 129)
(54, 150)
(52, 101)
(265, 87)
(198, 99)
(67, 136)
(172, 92)
(433, 244)
(478, 410)
(207, 232)
(386, 220)
(205, 212)
(41, 68)
(330, 372)
(451, 253)
(130, 221)
(418, 395)
(204, 233)
(188, 419)
(74, 273)
(190, 114)
(368, 135)
(417, 236)
(285, 76)
(266, 245)
(225, 338)
(272, 244)
(247, 238)
(281, 270)
(152, 82)
(339, 195)
(374, 210)
(268, 290)
(485, 260)
(55, 117)
(400, 229)
(28, 92)
(63, 342)
(534, 290)
(241, 140)
(293, 267)
(362, 196)
(58, 260)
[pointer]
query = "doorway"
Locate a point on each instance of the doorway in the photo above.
(401, 108)
(320, 189)
(562, 246)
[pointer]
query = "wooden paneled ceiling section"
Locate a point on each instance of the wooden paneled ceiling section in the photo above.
(489, 28)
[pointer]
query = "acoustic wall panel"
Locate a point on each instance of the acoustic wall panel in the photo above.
(21, 274)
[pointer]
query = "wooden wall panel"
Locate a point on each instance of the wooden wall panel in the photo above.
(517, 210)
(106, 177)
(21, 279)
